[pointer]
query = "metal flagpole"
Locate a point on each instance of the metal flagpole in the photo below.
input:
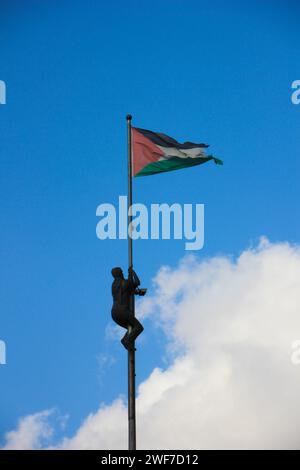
(131, 353)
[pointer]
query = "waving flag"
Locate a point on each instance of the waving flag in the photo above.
(156, 153)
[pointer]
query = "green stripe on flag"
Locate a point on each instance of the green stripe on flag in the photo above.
(174, 163)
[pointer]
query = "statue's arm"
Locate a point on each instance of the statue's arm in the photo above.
(136, 279)
(132, 275)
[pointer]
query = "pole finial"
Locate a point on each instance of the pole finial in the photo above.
(128, 117)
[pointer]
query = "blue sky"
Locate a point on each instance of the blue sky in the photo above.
(196, 70)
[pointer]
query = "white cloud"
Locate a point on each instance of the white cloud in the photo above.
(31, 432)
(230, 325)
(106, 429)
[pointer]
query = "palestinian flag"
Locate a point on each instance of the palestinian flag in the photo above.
(155, 153)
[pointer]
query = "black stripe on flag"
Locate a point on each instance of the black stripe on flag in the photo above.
(165, 141)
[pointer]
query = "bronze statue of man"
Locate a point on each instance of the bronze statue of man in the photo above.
(121, 313)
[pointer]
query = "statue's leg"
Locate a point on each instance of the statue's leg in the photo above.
(125, 340)
(121, 315)
(136, 329)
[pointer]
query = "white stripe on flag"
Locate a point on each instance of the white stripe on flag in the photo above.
(182, 153)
